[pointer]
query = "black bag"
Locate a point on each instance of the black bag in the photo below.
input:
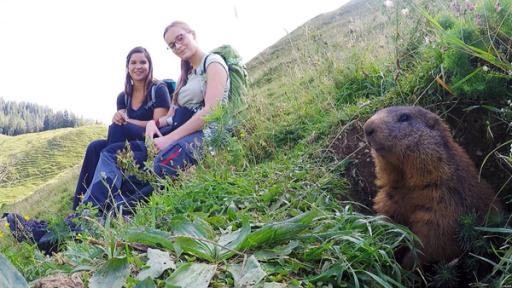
(181, 115)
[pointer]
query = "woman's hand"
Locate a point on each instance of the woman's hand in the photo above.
(152, 130)
(163, 142)
(120, 117)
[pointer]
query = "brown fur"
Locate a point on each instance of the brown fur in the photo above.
(426, 181)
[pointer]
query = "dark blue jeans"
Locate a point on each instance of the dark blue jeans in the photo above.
(122, 133)
(111, 189)
(116, 134)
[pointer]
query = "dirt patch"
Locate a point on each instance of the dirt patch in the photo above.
(350, 145)
(60, 280)
(479, 132)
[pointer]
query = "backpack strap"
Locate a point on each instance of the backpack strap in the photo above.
(152, 101)
(204, 62)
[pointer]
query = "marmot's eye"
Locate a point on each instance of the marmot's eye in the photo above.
(404, 117)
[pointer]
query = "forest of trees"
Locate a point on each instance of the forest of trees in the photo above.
(19, 118)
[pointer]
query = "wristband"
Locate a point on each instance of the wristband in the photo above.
(157, 122)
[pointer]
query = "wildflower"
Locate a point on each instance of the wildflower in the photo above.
(2, 234)
(7, 225)
(469, 5)
(405, 12)
(81, 196)
(26, 217)
(388, 3)
(456, 7)
(485, 68)
(497, 6)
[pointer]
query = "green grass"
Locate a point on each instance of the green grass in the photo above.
(52, 198)
(275, 197)
(32, 161)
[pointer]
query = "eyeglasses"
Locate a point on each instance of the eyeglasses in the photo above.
(177, 41)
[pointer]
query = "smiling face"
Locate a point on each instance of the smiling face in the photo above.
(181, 41)
(138, 67)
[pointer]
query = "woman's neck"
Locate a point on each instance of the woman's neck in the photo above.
(138, 88)
(195, 60)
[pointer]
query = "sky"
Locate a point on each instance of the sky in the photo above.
(70, 54)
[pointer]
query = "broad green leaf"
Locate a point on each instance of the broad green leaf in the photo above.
(196, 247)
(112, 274)
(190, 235)
(232, 241)
(158, 262)
(9, 275)
(247, 274)
(191, 275)
(276, 252)
(150, 237)
(281, 231)
(146, 283)
(199, 228)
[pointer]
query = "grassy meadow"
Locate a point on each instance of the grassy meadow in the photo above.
(42, 162)
(286, 201)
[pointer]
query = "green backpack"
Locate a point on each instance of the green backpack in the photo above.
(230, 115)
(237, 74)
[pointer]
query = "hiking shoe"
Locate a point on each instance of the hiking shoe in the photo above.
(25, 230)
(49, 243)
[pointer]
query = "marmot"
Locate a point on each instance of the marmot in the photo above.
(426, 181)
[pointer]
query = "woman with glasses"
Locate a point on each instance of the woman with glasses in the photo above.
(202, 86)
(183, 145)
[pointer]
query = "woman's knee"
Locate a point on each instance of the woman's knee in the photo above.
(115, 133)
(96, 146)
(179, 155)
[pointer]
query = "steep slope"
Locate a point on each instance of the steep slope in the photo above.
(359, 24)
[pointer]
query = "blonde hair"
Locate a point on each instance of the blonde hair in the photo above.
(186, 67)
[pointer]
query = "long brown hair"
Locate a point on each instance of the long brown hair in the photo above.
(128, 83)
(186, 67)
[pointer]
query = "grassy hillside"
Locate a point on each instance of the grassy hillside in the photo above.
(281, 204)
(30, 162)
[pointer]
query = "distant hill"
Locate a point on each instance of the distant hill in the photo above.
(29, 162)
(23, 117)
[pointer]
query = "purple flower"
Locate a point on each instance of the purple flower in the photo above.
(469, 5)
(497, 6)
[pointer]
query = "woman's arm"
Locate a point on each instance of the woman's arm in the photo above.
(217, 79)
(157, 113)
